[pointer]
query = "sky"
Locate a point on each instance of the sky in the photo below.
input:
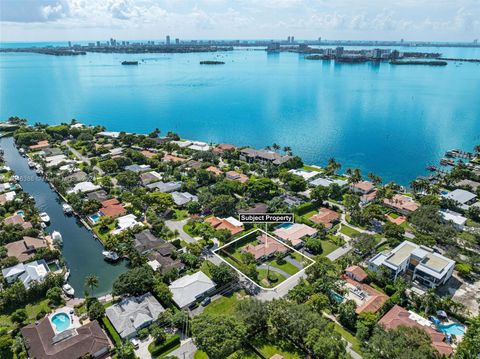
(62, 20)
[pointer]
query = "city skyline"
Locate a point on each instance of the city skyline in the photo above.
(63, 20)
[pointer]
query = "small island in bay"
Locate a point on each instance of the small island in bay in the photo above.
(419, 62)
(210, 62)
(129, 62)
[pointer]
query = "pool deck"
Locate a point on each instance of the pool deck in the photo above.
(74, 320)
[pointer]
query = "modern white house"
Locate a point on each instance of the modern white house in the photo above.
(133, 313)
(190, 288)
(26, 272)
(422, 263)
(84, 187)
(455, 218)
(126, 222)
(182, 198)
(464, 198)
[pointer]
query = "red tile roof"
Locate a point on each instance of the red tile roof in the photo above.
(266, 247)
(39, 144)
(375, 299)
(364, 186)
(172, 158)
(214, 170)
(223, 223)
(398, 316)
(148, 154)
(326, 217)
(237, 176)
(402, 203)
(357, 272)
(112, 208)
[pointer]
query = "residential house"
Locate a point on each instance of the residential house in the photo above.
(235, 176)
(366, 190)
(25, 248)
(401, 203)
(216, 171)
(256, 208)
(464, 198)
(305, 174)
(366, 298)
(295, 233)
(17, 219)
(109, 134)
(188, 289)
(356, 273)
(133, 313)
(26, 272)
(39, 145)
(468, 185)
(165, 187)
(455, 218)
(43, 342)
(99, 195)
(137, 168)
(222, 147)
(7, 197)
(326, 182)
(397, 316)
(146, 241)
(126, 222)
(84, 187)
(150, 177)
(147, 153)
(326, 217)
(266, 247)
(422, 263)
(76, 177)
(112, 208)
(182, 198)
(264, 156)
(160, 259)
(171, 158)
(291, 201)
(230, 223)
(199, 146)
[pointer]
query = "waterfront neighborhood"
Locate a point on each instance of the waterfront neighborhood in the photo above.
(127, 245)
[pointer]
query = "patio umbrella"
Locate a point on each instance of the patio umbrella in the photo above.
(441, 313)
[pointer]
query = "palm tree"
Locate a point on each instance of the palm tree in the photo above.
(374, 178)
(287, 150)
(430, 301)
(91, 281)
(275, 147)
(333, 166)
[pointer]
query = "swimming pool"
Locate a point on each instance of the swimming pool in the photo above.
(61, 321)
(337, 297)
(94, 218)
(21, 213)
(285, 225)
(454, 328)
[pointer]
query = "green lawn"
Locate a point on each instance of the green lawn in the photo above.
(348, 337)
(181, 214)
(286, 267)
(32, 311)
(269, 347)
(262, 274)
(311, 168)
(328, 247)
(226, 304)
(348, 231)
(111, 331)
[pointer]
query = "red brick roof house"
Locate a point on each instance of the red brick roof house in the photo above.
(222, 147)
(326, 216)
(368, 299)
(235, 176)
(401, 203)
(39, 145)
(266, 248)
(148, 154)
(356, 273)
(172, 158)
(216, 171)
(362, 187)
(25, 248)
(112, 208)
(17, 219)
(397, 316)
(229, 223)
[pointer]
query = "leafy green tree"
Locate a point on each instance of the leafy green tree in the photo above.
(327, 345)
(297, 184)
(136, 281)
(332, 167)
(400, 343)
(394, 231)
(346, 314)
(54, 295)
(261, 189)
(314, 245)
(158, 333)
(319, 194)
(223, 205)
(319, 302)
(125, 350)
(366, 323)
(19, 316)
(162, 292)
(108, 166)
(95, 310)
(363, 244)
(469, 347)
(254, 315)
(6, 343)
(222, 274)
(218, 336)
(128, 179)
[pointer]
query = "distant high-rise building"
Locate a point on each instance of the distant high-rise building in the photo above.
(293, 39)
(98, 43)
(177, 41)
(167, 40)
(475, 41)
(319, 39)
(69, 44)
(288, 39)
(339, 51)
(401, 40)
(377, 53)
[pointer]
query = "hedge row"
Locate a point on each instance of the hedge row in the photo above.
(158, 350)
(111, 331)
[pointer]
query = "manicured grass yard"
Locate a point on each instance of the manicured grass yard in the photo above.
(286, 267)
(181, 214)
(262, 274)
(328, 247)
(32, 311)
(269, 347)
(311, 168)
(348, 337)
(225, 305)
(348, 231)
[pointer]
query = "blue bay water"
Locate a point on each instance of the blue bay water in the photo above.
(391, 120)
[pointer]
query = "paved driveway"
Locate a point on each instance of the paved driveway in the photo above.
(178, 226)
(186, 351)
(142, 351)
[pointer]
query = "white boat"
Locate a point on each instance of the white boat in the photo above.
(39, 172)
(66, 275)
(45, 217)
(67, 209)
(68, 290)
(15, 178)
(110, 256)
(31, 164)
(43, 225)
(57, 238)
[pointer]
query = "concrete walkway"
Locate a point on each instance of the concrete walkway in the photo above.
(293, 261)
(142, 351)
(274, 269)
(186, 351)
(178, 226)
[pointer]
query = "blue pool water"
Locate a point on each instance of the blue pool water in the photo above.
(285, 225)
(94, 218)
(61, 321)
(391, 120)
(337, 297)
(21, 213)
(455, 328)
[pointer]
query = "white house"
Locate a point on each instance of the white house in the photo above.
(126, 222)
(26, 272)
(84, 187)
(190, 288)
(456, 218)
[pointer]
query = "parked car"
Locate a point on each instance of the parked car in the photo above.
(135, 342)
(206, 301)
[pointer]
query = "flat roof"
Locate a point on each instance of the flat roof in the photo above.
(402, 253)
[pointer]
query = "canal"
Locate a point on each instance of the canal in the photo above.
(82, 252)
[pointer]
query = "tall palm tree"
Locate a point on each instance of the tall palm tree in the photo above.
(275, 147)
(287, 150)
(91, 281)
(374, 178)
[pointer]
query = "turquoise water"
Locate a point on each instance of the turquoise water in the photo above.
(94, 218)
(337, 297)
(285, 225)
(61, 321)
(378, 117)
(455, 328)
